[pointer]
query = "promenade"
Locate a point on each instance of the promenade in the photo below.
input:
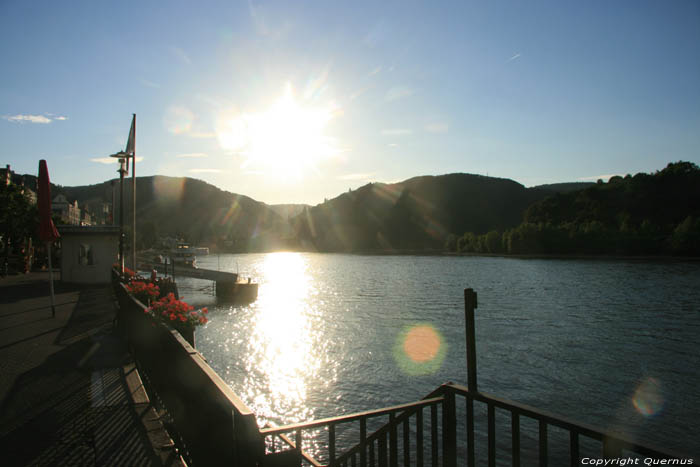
(70, 394)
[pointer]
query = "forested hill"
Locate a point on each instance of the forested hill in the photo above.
(421, 213)
(417, 214)
(192, 210)
(651, 214)
(655, 213)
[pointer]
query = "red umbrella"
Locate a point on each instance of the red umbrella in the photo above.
(47, 230)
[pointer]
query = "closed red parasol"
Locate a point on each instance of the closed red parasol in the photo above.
(47, 230)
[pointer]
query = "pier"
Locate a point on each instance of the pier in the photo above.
(229, 285)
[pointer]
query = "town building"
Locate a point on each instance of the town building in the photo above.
(68, 212)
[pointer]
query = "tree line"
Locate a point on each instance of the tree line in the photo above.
(644, 214)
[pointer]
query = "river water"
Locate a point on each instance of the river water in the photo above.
(613, 343)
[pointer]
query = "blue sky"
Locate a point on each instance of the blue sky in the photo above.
(299, 101)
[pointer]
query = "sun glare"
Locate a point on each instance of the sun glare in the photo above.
(287, 139)
(283, 337)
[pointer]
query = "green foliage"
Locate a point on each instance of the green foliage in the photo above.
(19, 218)
(641, 214)
(686, 237)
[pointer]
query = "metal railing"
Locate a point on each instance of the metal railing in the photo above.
(402, 441)
(613, 445)
(374, 448)
(220, 430)
(452, 441)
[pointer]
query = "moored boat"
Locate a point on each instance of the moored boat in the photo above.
(183, 255)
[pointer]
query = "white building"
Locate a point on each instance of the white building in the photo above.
(88, 253)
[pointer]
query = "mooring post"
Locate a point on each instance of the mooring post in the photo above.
(469, 306)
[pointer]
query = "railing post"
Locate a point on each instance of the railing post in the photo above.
(611, 448)
(363, 442)
(544, 455)
(298, 441)
(449, 428)
(492, 434)
(470, 431)
(433, 434)
(573, 448)
(331, 444)
(419, 437)
(515, 437)
(469, 306)
(393, 446)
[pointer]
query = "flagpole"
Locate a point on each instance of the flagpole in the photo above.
(133, 196)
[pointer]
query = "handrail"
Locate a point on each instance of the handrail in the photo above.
(307, 457)
(563, 422)
(348, 418)
(435, 396)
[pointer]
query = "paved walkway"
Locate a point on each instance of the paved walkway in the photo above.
(69, 392)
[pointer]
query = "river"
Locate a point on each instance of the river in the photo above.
(613, 343)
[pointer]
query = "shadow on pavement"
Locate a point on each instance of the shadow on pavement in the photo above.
(75, 407)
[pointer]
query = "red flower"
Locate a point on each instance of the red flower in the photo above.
(171, 309)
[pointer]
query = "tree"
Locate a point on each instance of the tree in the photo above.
(686, 237)
(19, 218)
(493, 242)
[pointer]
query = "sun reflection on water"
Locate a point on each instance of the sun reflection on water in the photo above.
(281, 348)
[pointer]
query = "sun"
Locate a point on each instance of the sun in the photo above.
(286, 139)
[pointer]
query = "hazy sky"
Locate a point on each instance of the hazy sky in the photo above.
(294, 101)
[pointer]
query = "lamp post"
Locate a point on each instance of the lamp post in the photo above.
(122, 157)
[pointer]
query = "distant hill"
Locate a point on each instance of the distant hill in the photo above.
(564, 187)
(416, 214)
(288, 211)
(644, 214)
(640, 214)
(663, 198)
(193, 210)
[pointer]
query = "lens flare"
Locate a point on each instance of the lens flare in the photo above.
(648, 399)
(419, 350)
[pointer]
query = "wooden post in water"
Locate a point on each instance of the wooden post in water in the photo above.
(469, 306)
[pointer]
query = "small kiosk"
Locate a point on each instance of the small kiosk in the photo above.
(88, 253)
